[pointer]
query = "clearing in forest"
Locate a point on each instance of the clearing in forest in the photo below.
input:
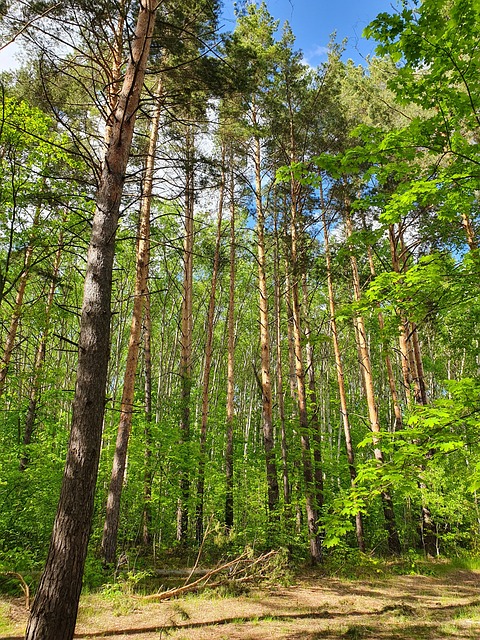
(410, 607)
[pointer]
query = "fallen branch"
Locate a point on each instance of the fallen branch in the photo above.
(240, 570)
(172, 593)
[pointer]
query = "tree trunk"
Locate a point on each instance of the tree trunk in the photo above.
(388, 362)
(280, 392)
(18, 308)
(186, 338)
(340, 376)
(148, 474)
(268, 436)
(412, 369)
(230, 364)
(308, 472)
(54, 610)
(110, 529)
(366, 367)
(208, 362)
(40, 359)
(312, 396)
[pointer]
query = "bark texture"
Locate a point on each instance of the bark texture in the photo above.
(110, 530)
(54, 611)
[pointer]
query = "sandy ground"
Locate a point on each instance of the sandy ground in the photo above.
(397, 608)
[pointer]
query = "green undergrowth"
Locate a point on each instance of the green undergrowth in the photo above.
(352, 564)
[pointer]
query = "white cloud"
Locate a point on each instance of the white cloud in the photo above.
(313, 56)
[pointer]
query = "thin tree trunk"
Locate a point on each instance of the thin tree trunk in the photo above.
(403, 332)
(280, 391)
(54, 610)
(315, 410)
(40, 359)
(340, 376)
(268, 437)
(469, 232)
(110, 529)
(413, 377)
(18, 308)
(208, 362)
(229, 460)
(308, 472)
(388, 362)
(366, 367)
(186, 328)
(148, 474)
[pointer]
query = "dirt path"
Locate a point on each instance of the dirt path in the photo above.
(397, 608)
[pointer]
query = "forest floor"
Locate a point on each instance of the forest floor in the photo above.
(413, 607)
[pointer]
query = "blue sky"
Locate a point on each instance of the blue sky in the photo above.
(313, 21)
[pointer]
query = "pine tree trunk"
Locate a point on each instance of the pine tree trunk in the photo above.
(388, 362)
(110, 529)
(315, 410)
(340, 376)
(412, 368)
(54, 610)
(280, 391)
(268, 435)
(366, 367)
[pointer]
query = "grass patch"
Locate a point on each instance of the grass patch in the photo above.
(6, 625)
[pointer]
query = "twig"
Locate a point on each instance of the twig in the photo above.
(172, 593)
(24, 586)
(29, 24)
(199, 551)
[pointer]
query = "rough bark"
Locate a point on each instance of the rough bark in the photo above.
(110, 529)
(54, 610)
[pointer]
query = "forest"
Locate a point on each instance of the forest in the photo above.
(238, 294)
